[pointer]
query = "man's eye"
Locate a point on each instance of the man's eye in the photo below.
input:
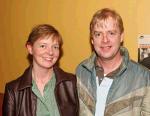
(97, 34)
(112, 33)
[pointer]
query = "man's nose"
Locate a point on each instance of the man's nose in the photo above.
(105, 38)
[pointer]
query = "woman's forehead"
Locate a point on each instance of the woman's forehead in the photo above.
(49, 37)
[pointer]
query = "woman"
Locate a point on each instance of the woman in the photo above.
(44, 89)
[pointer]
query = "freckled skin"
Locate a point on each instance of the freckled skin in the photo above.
(107, 42)
(45, 52)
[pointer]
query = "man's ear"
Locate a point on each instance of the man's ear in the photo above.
(91, 41)
(29, 48)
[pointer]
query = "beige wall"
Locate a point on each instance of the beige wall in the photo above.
(71, 18)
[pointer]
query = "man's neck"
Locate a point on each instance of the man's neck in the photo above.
(110, 65)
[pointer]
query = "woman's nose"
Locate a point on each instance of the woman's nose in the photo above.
(49, 51)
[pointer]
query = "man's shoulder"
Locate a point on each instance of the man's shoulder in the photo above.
(82, 65)
(136, 65)
(87, 63)
(139, 70)
(83, 62)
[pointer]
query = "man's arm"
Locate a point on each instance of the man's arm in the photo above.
(146, 103)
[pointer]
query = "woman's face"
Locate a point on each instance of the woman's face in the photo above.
(45, 52)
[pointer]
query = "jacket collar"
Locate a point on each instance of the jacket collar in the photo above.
(61, 75)
(89, 64)
(125, 54)
(26, 78)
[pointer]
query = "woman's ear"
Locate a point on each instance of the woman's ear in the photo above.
(122, 37)
(29, 48)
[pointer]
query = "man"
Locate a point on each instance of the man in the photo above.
(109, 83)
(146, 62)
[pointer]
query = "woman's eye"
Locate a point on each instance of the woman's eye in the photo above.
(56, 47)
(42, 46)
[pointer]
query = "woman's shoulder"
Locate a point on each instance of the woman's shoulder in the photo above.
(13, 85)
(20, 82)
(63, 75)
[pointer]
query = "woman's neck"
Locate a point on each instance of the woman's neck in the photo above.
(41, 78)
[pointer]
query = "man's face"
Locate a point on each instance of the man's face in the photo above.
(107, 39)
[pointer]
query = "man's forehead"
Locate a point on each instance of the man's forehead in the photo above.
(106, 23)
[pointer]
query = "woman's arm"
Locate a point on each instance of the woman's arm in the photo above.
(8, 108)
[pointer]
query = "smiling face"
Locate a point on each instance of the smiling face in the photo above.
(45, 52)
(106, 39)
